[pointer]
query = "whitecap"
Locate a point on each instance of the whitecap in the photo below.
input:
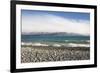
(39, 44)
(78, 45)
(56, 45)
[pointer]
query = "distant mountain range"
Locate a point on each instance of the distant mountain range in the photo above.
(53, 33)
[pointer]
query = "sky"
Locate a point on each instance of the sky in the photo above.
(52, 21)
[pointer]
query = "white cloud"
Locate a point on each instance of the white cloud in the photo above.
(52, 23)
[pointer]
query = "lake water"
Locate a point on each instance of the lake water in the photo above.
(53, 40)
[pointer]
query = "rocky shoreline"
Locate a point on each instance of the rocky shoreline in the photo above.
(46, 53)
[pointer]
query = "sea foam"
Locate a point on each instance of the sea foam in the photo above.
(55, 44)
(33, 44)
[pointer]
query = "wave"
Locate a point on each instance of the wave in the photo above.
(55, 44)
(78, 45)
(33, 44)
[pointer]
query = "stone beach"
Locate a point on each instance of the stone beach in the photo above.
(48, 53)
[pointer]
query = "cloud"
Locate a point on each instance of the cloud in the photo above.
(52, 23)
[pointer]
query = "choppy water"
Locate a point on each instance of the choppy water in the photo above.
(49, 40)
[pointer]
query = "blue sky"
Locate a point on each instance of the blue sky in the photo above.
(52, 21)
(70, 15)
